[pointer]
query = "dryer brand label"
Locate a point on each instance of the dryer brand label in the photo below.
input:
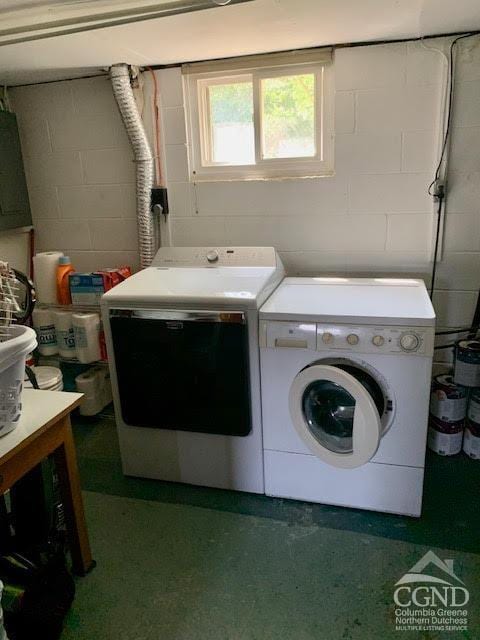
(174, 325)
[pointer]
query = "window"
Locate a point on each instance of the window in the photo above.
(262, 122)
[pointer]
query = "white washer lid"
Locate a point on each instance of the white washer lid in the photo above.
(387, 301)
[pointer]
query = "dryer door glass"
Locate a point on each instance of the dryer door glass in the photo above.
(337, 413)
(184, 371)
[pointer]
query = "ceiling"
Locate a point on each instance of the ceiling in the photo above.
(254, 27)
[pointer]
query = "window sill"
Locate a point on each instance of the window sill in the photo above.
(260, 177)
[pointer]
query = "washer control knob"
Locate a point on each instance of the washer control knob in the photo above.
(212, 256)
(409, 342)
(378, 341)
(352, 338)
(327, 337)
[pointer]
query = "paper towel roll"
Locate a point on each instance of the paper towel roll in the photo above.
(86, 327)
(45, 328)
(45, 275)
(97, 390)
(65, 336)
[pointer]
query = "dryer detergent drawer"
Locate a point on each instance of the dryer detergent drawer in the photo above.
(185, 371)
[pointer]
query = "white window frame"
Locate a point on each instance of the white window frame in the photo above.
(201, 165)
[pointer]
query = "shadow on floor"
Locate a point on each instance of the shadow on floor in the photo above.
(450, 520)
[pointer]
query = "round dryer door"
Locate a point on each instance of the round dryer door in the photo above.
(336, 415)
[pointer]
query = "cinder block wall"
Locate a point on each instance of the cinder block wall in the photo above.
(80, 172)
(374, 215)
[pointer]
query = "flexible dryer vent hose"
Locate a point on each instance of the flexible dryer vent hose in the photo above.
(122, 90)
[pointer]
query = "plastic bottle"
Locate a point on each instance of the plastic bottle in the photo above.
(63, 287)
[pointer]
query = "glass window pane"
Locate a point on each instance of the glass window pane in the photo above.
(288, 116)
(231, 122)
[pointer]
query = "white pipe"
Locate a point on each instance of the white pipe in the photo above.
(122, 90)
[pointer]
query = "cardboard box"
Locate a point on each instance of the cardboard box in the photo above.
(88, 288)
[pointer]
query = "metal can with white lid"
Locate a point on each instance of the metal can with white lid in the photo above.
(467, 363)
(448, 401)
(471, 439)
(473, 411)
(445, 438)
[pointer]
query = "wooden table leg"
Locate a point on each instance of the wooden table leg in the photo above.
(66, 463)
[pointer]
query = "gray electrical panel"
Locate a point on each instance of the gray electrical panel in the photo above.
(14, 203)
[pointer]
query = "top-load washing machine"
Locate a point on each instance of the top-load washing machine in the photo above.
(345, 369)
(182, 340)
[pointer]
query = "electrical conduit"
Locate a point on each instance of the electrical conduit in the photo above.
(122, 90)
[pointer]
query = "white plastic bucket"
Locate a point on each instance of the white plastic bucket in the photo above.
(48, 379)
(13, 352)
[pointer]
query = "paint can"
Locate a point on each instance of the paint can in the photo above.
(473, 412)
(471, 440)
(467, 363)
(448, 401)
(445, 438)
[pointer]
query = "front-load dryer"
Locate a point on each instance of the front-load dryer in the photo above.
(345, 369)
(182, 340)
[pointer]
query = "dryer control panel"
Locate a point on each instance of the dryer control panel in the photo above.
(347, 338)
(215, 257)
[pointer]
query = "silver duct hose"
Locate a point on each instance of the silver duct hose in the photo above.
(122, 90)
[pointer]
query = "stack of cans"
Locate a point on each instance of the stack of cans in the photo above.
(455, 405)
(471, 438)
(448, 411)
(467, 373)
(467, 363)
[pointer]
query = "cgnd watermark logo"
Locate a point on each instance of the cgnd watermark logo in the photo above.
(426, 602)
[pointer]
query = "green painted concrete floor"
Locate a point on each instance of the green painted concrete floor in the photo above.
(188, 563)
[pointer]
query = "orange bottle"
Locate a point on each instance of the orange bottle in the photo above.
(63, 286)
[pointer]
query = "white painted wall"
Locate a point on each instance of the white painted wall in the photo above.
(373, 216)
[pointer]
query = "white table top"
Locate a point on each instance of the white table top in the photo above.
(39, 409)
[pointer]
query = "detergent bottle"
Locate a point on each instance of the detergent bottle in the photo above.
(63, 286)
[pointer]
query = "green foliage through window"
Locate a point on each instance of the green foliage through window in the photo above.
(231, 102)
(287, 105)
(288, 111)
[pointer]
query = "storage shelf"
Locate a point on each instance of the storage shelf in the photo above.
(71, 360)
(68, 307)
(72, 308)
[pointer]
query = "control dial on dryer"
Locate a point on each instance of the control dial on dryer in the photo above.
(212, 256)
(409, 342)
(327, 337)
(378, 341)
(352, 338)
